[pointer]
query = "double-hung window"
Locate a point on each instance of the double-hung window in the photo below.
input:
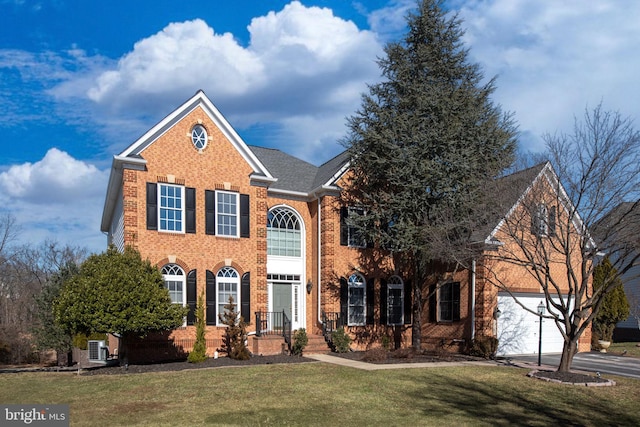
(171, 208)
(350, 235)
(227, 214)
(395, 301)
(174, 281)
(356, 300)
(228, 284)
(449, 302)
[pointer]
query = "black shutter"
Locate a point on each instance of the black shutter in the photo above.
(190, 209)
(408, 309)
(455, 301)
(211, 298)
(552, 221)
(245, 297)
(344, 300)
(191, 297)
(433, 303)
(383, 302)
(152, 206)
(210, 211)
(344, 229)
(244, 216)
(370, 315)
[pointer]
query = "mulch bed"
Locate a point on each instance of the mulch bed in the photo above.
(183, 365)
(573, 378)
(406, 355)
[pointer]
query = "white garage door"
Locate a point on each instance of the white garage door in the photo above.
(518, 329)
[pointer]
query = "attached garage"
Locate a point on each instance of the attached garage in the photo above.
(518, 329)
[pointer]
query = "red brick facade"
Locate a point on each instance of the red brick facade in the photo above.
(225, 163)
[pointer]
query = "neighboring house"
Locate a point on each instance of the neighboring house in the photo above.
(628, 329)
(223, 219)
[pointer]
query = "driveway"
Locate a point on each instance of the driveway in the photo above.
(593, 362)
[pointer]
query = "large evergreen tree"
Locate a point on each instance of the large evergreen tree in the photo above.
(117, 293)
(423, 145)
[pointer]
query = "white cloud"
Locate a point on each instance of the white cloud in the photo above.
(57, 198)
(553, 59)
(56, 179)
(301, 62)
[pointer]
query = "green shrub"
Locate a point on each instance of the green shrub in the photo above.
(199, 352)
(300, 341)
(484, 346)
(81, 340)
(341, 341)
(235, 335)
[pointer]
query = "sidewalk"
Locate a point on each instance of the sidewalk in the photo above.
(357, 364)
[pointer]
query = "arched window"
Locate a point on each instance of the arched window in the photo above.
(357, 299)
(283, 233)
(228, 285)
(395, 301)
(174, 280)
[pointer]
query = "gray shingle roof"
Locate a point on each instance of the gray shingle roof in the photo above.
(294, 174)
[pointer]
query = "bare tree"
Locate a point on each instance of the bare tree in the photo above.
(24, 272)
(582, 208)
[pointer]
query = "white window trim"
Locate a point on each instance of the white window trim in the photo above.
(176, 278)
(398, 285)
(362, 283)
(202, 138)
(182, 208)
(237, 215)
(299, 231)
(236, 299)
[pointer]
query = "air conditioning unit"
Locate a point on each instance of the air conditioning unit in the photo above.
(98, 351)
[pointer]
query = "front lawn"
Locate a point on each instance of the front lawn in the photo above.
(317, 394)
(618, 348)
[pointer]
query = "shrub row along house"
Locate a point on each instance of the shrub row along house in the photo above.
(223, 219)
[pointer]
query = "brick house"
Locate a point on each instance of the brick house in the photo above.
(221, 218)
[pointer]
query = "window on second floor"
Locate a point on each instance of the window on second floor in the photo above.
(284, 237)
(349, 234)
(171, 208)
(227, 213)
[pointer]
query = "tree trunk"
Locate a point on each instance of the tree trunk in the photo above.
(416, 326)
(123, 356)
(569, 349)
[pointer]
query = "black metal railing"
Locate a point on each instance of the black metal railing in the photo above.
(274, 323)
(331, 322)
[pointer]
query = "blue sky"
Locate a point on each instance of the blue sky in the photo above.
(81, 80)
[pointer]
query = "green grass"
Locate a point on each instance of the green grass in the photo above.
(619, 347)
(317, 394)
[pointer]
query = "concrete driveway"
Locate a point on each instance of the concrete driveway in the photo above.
(593, 362)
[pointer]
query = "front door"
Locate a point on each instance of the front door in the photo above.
(282, 298)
